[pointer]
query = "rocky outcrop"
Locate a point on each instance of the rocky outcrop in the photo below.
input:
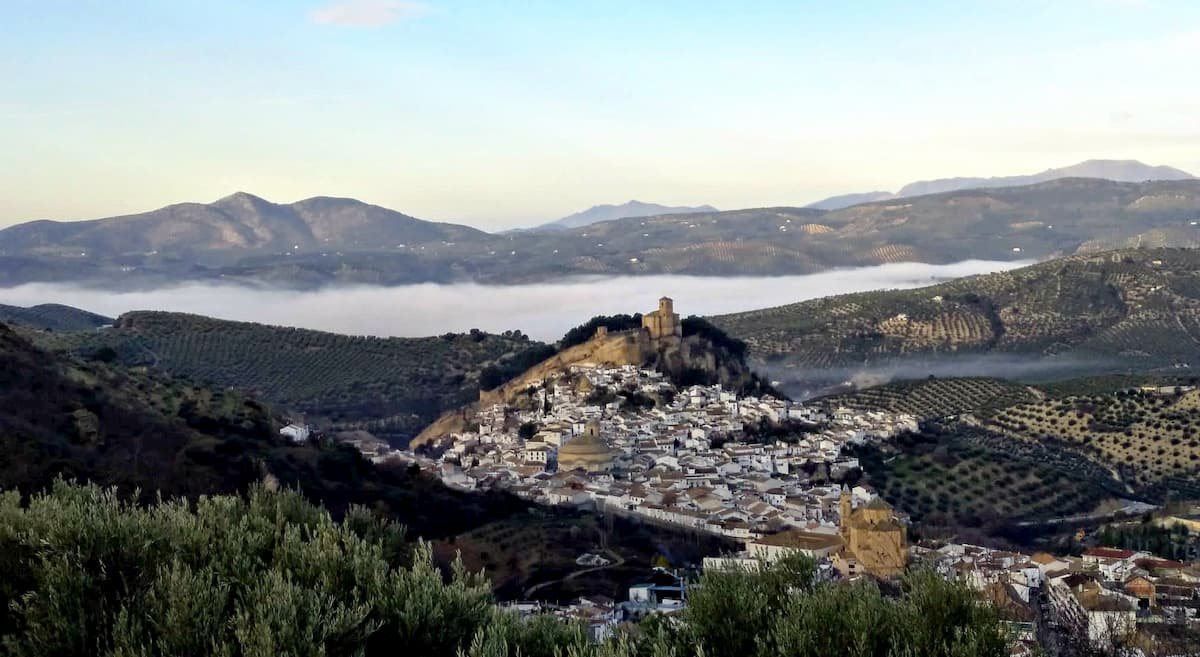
(689, 360)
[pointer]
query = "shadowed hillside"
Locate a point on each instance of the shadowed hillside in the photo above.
(98, 422)
(53, 317)
(391, 386)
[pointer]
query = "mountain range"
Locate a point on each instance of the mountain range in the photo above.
(1117, 170)
(241, 223)
(598, 213)
(327, 241)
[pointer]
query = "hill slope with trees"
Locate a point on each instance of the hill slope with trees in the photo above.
(1134, 309)
(53, 317)
(391, 386)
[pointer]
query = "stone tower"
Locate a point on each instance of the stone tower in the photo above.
(663, 324)
(844, 510)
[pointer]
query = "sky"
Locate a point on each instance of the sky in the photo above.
(504, 114)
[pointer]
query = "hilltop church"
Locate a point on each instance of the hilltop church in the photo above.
(875, 539)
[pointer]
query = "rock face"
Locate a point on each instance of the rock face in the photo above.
(659, 344)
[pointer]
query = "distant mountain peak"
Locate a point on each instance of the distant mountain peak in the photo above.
(241, 197)
(611, 212)
(1115, 170)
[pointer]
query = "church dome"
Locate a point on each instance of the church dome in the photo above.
(587, 452)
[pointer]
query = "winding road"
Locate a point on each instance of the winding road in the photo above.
(618, 560)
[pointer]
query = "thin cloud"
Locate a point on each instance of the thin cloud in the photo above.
(366, 13)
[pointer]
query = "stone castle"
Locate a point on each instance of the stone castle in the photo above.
(875, 539)
(659, 339)
(663, 325)
(658, 344)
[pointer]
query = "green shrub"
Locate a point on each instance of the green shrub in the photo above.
(83, 572)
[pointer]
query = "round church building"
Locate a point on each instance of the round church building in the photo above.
(587, 452)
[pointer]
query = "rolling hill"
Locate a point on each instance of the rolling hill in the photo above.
(244, 239)
(1133, 309)
(607, 212)
(1116, 170)
(53, 317)
(391, 386)
(240, 222)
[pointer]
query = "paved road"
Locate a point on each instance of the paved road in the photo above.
(618, 560)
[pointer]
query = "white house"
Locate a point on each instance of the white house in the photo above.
(298, 433)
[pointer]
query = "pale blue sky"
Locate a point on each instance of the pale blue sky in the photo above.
(509, 113)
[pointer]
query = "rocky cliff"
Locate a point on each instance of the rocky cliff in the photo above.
(696, 358)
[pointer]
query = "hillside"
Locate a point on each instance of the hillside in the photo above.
(972, 484)
(607, 212)
(391, 386)
(90, 420)
(994, 452)
(53, 317)
(935, 398)
(1116, 170)
(244, 240)
(1134, 309)
(699, 354)
(136, 430)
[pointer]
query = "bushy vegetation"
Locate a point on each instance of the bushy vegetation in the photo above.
(393, 387)
(614, 323)
(83, 573)
(1177, 543)
(693, 325)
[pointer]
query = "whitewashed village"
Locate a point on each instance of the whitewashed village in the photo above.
(625, 440)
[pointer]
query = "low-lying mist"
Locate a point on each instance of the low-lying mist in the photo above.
(807, 383)
(544, 311)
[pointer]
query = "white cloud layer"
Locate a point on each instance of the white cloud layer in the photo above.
(366, 13)
(543, 311)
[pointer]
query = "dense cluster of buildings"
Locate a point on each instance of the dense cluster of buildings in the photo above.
(1105, 596)
(625, 440)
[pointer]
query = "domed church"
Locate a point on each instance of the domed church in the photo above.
(587, 452)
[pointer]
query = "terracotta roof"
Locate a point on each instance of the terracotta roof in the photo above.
(1163, 564)
(1043, 558)
(802, 540)
(1109, 553)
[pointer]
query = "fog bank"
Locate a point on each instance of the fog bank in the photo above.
(544, 311)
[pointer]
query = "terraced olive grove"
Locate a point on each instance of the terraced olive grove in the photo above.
(53, 317)
(949, 478)
(935, 398)
(1151, 438)
(1133, 309)
(993, 452)
(391, 386)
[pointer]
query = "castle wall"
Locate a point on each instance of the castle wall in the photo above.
(623, 348)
